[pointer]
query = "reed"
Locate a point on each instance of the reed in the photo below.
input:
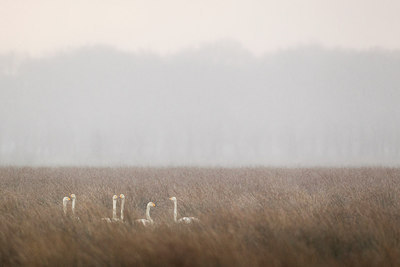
(249, 217)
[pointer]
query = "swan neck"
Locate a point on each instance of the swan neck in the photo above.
(175, 210)
(148, 213)
(114, 215)
(122, 208)
(73, 206)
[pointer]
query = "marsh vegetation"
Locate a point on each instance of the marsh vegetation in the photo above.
(249, 217)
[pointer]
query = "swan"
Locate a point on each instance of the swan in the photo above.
(65, 202)
(122, 197)
(148, 220)
(114, 214)
(183, 219)
(73, 197)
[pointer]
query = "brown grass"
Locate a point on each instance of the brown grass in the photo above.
(249, 217)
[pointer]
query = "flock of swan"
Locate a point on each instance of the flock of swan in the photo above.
(146, 222)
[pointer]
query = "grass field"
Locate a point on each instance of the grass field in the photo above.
(249, 217)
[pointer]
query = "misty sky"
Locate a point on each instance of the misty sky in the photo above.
(200, 82)
(47, 26)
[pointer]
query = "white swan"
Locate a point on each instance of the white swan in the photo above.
(183, 219)
(122, 197)
(73, 197)
(65, 202)
(148, 220)
(114, 213)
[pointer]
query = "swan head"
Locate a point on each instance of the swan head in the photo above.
(115, 197)
(73, 196)
(173, 198)
(122, 196)
(151, 204)
(65, 199)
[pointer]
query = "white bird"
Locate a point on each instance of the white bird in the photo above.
(73, 197)
(148, 220)
(114, 213)
(65, 202)
(122, 197)
(183, 219)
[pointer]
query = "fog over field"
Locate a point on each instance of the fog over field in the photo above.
(216, 104)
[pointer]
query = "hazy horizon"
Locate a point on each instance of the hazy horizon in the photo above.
(215, 105)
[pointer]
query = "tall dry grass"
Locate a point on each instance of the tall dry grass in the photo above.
(249, 217)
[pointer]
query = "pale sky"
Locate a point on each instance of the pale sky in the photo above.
(166, 26)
